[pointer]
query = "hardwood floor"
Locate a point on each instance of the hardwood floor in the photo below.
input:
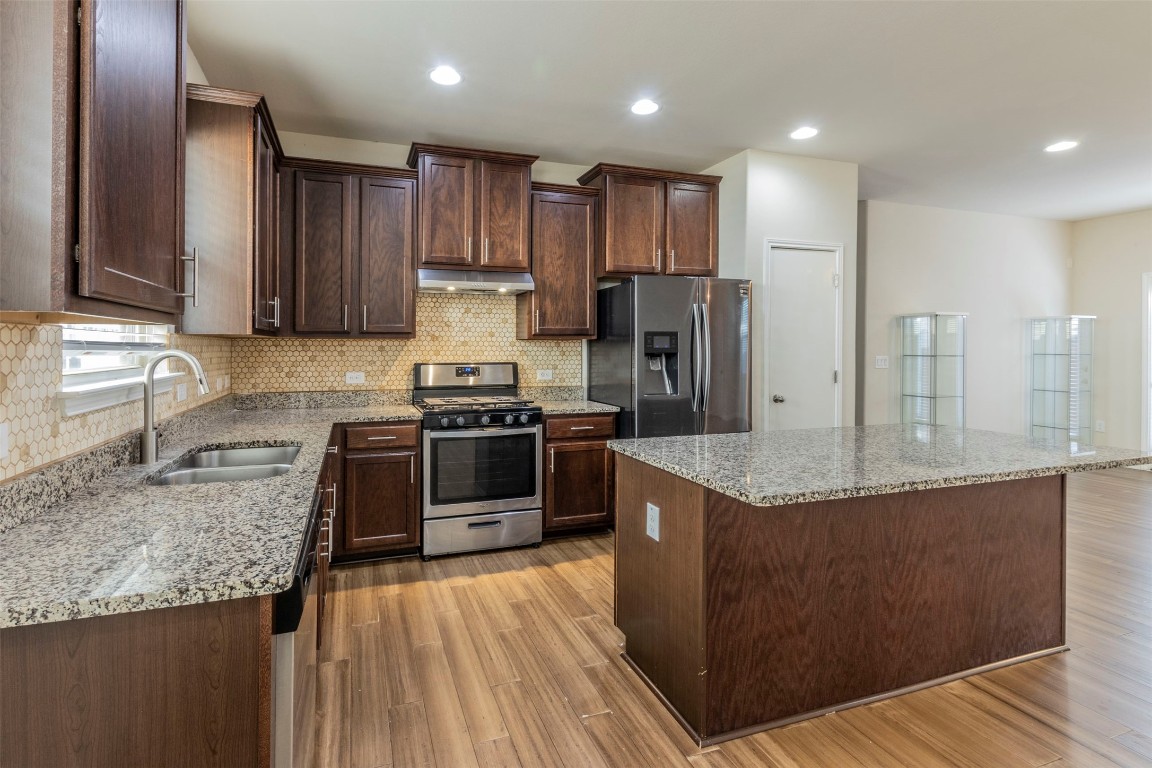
(510, 659)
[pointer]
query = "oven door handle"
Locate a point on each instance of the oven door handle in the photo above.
(449, 434)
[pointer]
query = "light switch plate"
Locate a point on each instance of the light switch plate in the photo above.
(653, 526)
(181, 392)
(881, 361)
(544, 375)
(354, 377)
(3, 441)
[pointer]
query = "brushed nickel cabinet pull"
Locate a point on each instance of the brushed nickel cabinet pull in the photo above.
(659, 259)
(364, 324)
(386, 437)
(578, 429)
(672, 260)
(276, 312)
(469, 250)
(345, 317)
(195, 259)
(552, 460)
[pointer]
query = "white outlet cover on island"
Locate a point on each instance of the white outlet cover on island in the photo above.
(653, 525)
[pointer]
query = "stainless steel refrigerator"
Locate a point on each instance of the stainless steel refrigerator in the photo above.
(674, 354)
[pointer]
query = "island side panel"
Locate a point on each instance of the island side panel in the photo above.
(817, 604)
(660, 584)
(169, 686)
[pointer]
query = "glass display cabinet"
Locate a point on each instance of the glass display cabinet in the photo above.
(932, 368)
(1061, 371)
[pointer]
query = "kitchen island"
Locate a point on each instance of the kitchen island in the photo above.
(764, 578)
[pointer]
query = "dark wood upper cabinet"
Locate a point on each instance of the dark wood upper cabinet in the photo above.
(387, 268)
(502, 203)
(132, 152)
(474, 208)
(446, 189)
(266, 263)
(655, 222)
(564, 228)
(323, 252)
(354, 236)
(231, 213)
(92, 146)
(633, 217)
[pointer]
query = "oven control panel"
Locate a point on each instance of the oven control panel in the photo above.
(495, 419)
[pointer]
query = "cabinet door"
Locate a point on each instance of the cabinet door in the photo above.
(380, 510)
(387, 268)
(633, 225)
(131, 186)
(446, 189)
(690, 229)
(323, 252)
(502, 236)
(563, 242)
(266, 283)
(579, 485)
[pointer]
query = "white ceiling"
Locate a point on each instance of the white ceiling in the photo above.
(940, 103)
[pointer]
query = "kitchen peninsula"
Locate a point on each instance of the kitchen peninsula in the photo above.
(764, 578)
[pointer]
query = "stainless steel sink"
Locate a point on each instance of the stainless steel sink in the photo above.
(230, 465)
(242, 457)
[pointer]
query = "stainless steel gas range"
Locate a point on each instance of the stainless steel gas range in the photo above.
(483, 456)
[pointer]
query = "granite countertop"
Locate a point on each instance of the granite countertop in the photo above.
(791, 466)
(121, 545)
(574, 406)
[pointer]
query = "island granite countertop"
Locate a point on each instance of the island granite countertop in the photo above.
(802, 465)
(122, 545)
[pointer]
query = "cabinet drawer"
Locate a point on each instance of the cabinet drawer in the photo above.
(559, 427)
(381, 436)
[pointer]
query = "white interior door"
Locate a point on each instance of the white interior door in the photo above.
(802, 323)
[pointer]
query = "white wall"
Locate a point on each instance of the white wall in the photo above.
(1109, 255)
(999, 269)
(193, 72)
(768, 196)
(396, 155)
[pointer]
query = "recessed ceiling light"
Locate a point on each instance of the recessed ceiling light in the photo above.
(806, 132)
(1061, 146)
(444, 75)
(645, 107)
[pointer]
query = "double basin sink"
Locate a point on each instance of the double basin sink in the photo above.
(230, 465)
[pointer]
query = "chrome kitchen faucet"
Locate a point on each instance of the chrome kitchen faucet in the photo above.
(148, 437)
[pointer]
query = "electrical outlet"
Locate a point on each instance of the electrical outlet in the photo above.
(227, 381)
(544, 375)
(881, 361)
(181, 392)
(1100, 425)
(219, 383)
(3, 441)
(653, 526)
(354, 377)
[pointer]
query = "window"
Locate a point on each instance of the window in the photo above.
(104, 364)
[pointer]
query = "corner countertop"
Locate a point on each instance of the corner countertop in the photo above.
(121, 545)
(794, 466)
(556, 407)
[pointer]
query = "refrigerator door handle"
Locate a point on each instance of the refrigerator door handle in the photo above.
(707, 358)
(697, 366)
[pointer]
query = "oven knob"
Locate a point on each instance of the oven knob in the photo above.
(443, 421)
(484, 420)
(523, 418)
(459, 421)
(509, 418)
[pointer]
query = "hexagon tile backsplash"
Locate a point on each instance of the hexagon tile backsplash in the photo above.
(31, 367)
(449, 329)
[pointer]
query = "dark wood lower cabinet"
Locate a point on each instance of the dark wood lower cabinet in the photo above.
(578, 472)
(578, 484)
(381, 509)
(189, 685)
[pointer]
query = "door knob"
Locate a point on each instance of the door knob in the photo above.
(777, 398)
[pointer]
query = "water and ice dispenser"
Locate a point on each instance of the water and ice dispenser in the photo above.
(661, 353)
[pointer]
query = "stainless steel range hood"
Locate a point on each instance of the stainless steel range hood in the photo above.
(460, 281)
